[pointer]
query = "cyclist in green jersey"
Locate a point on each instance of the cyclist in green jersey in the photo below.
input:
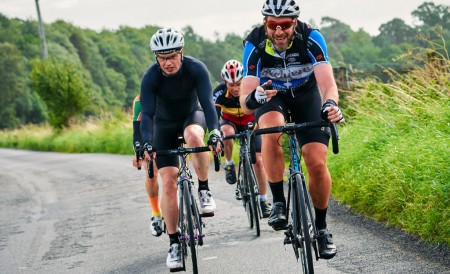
(151, 184)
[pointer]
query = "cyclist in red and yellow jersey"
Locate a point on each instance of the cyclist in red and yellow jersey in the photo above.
(232, 121)
(151, 184)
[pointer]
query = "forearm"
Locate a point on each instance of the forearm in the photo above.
(248, 85)
(146, 128)
(326, 82)
(137, 132)
(330, 92)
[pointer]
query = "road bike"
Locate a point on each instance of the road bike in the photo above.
(190, 222)
(247, 183)
(301, 231)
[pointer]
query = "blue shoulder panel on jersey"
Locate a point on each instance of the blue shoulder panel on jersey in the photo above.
(317, 48)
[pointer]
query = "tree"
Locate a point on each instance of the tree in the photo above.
(432, 15)
(395, 31)
(335, 31)
(60, 84)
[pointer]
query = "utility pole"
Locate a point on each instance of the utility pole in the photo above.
(41, 32)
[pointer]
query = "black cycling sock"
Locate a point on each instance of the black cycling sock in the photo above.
(203, 185)
(278, 192)
(174, 238)
(321, 215)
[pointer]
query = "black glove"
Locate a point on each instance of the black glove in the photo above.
(215, 137)
(147, 147)
(138, 150)
(326, 106)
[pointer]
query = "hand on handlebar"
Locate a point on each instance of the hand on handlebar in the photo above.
(137, 163)
(331, 112)
(149, 152)
(215, 142)
(137, 155)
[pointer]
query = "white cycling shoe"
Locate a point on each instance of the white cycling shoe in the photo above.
(156, 226)
(174, 258)
(207, 203)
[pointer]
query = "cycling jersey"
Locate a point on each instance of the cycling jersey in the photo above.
(228, 106)
(292, 75)
(170, 99)
(291, 71)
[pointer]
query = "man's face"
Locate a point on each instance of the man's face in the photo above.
(234, 88)
(170, 63)
(280, 31)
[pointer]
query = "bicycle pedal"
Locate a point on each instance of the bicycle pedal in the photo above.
(177, 269)
(211, 214)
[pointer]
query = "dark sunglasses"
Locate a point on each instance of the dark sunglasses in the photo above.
(283, 25)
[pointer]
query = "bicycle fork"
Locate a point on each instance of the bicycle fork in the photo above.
(198, 223)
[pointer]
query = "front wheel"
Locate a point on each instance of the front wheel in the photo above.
(251, 186)
(190, 225)
(304, 239)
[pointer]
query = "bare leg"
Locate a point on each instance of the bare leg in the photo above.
(169, 199)
(193, 135)
(315, 155)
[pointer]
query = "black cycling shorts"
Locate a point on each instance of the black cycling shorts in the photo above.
(239, 129)
(165, 136)
(304, 107)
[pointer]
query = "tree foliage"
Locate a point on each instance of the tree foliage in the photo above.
(60, 84)
(110, 63)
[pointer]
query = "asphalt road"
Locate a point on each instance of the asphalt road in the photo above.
(88, 213)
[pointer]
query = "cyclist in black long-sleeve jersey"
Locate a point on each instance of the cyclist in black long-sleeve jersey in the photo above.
(176, 98)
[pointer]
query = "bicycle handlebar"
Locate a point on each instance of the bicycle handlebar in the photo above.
(252, 144)
(237, 135)
(182, 151)
(304, 126)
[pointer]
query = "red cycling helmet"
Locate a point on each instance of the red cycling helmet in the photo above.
(232, 71)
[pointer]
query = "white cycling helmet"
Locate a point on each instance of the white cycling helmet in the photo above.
(166, 40)
(280, 8)
(232, 71)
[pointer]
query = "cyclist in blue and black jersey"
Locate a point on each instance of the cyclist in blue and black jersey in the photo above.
(176, 98)
(232, 120)
(289, 59)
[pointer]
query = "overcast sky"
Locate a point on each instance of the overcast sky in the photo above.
(207, 16)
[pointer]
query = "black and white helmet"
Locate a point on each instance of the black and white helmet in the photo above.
(280, 8)
(166, 40)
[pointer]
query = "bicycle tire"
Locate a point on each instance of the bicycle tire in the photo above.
(182, 228)
(197, 221)
(190, 225)
(306, 243)
(251, 184)
(244, 193)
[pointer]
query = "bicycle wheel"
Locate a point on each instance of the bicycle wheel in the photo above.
(311, 217)
(304, 236)
(241, 184)
(198, 223)
(254, 199)
(182, 230)
(190, 225)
